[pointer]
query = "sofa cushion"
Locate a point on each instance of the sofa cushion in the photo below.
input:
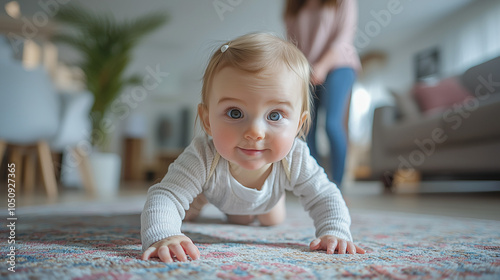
(474, 121)
(439, 97)
(483, 78)
(407, 107)
(404, 136)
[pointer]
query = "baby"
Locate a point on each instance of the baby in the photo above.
(255, 106)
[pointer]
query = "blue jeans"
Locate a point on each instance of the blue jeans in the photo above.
(333, 96)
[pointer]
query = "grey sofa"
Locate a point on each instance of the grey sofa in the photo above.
(462, 141)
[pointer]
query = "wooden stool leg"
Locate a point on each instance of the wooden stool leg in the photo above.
(16, 157)
(85, 171)
(48, 174)
(3, 146)
(29, 172)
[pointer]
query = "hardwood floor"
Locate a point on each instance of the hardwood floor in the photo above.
(479, 205)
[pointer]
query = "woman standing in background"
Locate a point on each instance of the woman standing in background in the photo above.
(324, 31)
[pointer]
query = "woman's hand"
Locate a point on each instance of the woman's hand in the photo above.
(333, 244)
(177, 245)
(319, 73)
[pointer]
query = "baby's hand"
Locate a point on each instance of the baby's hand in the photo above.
(177, 245)
(331, 243)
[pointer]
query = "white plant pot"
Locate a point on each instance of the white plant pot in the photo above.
(106, 169)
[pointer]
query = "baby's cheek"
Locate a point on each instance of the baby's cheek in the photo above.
(283, 144)
(223, 145)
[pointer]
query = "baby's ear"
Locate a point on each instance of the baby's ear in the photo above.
(302, 120)
(203, 115)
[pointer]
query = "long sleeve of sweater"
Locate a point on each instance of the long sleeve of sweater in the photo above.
(318, 195)
(168, 200)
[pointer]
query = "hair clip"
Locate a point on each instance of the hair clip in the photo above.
(224, 48)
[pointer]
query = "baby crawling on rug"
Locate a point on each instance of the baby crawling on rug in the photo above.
(255, 107)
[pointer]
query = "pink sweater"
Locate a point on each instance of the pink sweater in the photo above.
(316, 29)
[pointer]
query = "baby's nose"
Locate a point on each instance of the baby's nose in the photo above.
(255, 131)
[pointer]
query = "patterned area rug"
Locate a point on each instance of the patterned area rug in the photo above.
(400, 246)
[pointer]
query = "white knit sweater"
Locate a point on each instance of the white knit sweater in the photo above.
(188, 176)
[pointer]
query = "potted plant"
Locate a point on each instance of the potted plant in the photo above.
(105, 46)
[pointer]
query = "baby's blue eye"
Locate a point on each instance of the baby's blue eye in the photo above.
(234, 114)
(274, 116)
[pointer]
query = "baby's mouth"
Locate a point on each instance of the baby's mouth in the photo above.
(251, 152)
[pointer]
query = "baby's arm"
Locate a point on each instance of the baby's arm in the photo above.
(161, 219)
(324, 202)
(177, 245)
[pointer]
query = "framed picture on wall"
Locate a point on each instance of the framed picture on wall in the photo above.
(427, 64)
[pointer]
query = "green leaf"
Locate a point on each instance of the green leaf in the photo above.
(106, 48)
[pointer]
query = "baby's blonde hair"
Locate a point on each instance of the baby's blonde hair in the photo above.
(257, 52)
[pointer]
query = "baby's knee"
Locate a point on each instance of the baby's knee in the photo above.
(267, 220)
(276, 216)
(271, 223)
(240, 219)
